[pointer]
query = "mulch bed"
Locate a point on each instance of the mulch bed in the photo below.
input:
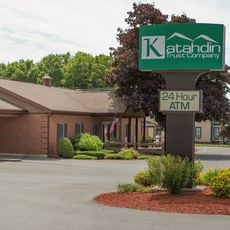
(199, 202)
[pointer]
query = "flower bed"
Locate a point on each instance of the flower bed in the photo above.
(202, 202)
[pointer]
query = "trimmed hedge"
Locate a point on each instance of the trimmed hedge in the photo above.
(107, 151)
(65, 148)
(114, 157)
(98, 154)
(124, 154)
(84, 157)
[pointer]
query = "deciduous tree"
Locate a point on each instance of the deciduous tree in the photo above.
(52, 65)
(85, 71)
(140, 89)
(22, 70)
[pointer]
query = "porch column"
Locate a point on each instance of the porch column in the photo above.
(129, 130)
(144, 136)
(120, 129)
(136, 133)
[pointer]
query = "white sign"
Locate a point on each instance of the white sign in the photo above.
(180, 101)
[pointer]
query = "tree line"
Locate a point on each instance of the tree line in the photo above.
(79, 71)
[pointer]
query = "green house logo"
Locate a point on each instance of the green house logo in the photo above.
(181, 46)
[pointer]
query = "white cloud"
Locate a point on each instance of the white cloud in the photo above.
(34, 28)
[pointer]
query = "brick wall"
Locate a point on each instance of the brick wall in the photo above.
(88, 122)
(37, 133)
(70, 120)
(26, 133)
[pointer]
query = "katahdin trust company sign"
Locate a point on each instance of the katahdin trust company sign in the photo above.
(188, 46)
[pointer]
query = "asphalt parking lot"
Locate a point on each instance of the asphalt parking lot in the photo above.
(57, 195)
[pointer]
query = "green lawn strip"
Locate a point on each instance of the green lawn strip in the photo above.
(106, 154)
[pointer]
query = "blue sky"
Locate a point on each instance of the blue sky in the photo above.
(31, 29)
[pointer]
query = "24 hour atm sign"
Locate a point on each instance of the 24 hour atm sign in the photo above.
(181, 47)
(180, 101)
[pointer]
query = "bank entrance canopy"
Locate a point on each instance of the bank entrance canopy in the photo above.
(188, 46)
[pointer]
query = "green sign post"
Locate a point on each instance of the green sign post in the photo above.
(181, 47)
(181, 53)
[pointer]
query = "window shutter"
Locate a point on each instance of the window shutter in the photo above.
(65, 130)
(61, 131)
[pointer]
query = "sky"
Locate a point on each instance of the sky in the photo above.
(32, 29)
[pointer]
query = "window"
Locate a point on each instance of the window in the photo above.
(79, 128)
(97, 130)
(198, 132)
(61, 131)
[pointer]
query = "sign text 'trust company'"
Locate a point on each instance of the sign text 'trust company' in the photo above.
(185, 46)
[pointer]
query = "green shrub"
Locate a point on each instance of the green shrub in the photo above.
(125, 188)
(107, 151)
(171, 172)
(196, 172)
(144, 157)
(128, 154)
(155, 170)
(97, 154)
(65, 148)
(143, 178)
(100, 154)
(113, 157)
(75, 140)
(84, 157)
(125, 154)
(146, 189)
(205, 178)
(89, 142)
(220, 185)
